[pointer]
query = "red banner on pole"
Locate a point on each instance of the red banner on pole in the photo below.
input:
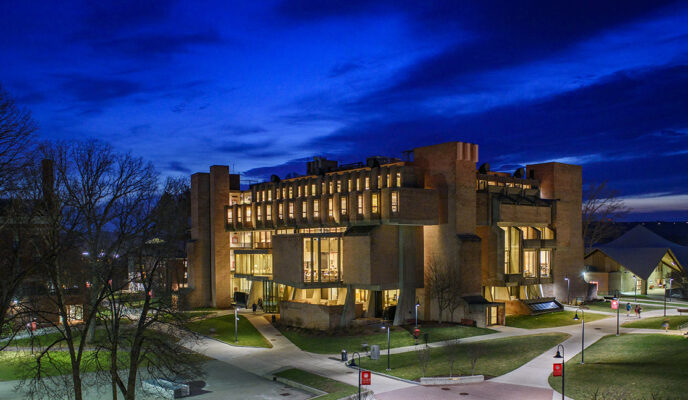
(365, 377)
(615, 304)
(556, 370)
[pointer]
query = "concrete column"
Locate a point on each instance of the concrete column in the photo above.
(349, 310)
(220, 275)
(198, 250)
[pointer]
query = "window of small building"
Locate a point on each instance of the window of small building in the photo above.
(367, 183)
(395, 202)
(389, 179)
(239, 212)
(331, 187)
(343, 205)
(398, 179)
(323, 188)
(230, 218)
(298, 191)
(248, 214)
(284, 192)
(291, 192)
(280, 211)
(330, 208)
(278, 194)
(259, 215)
(390, 298)
(304, 209)
(374, 203)
(358, 184)
(312, 189)
(360, 203)
(350, 186)
(339, 185)
(268, 212)
(379, 181)
(270, 195)
(291, 210)
(316, 208)
(75, 312)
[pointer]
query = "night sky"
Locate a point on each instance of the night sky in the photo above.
(264, 85)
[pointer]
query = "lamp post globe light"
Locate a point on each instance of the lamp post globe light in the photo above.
(387, 326)
(560, 355)
(417, 305)
(568, 290)
(635, 289)
(575, 318)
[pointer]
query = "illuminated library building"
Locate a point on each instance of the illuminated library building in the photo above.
(347, 243)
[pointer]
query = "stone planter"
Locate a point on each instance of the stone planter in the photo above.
(454, 380)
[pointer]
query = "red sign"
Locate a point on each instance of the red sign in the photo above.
(556, 370)
(615, 304)
(365, 377)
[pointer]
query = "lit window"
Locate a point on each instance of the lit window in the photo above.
(258, 213)
(389, 179)
(265, 193)
(339, 185)
(545, 262)
(360, 204)
(278, 194)
(367, 183)
(291, 210)
(284, 192)
(351, 185)
(323, 188)
(358, 183)
(303, 209)
(316, 208)
(374, 203)
(270, 195)
(248, 214)
(379, 181)
(395, 202)
(313, 189)
(329, 207)
(291, 192)
(398, 179)
(239, 215)
(529, 262)
(230, 217)
(298, 191)
(268, 212)
(331, 187)
(343, 201)
(280, 211)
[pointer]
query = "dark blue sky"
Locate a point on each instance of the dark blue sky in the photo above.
(263, 85)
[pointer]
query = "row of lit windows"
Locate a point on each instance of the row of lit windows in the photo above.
(482, 184)
(330, 187)
(375, 209)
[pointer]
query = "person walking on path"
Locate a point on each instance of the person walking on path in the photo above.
(640, 309)
(628, 309)
(255, 307)
(636, 311)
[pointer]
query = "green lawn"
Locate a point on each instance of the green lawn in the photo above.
(224, 330)
(629, 367)
(336, 389)
(606, 306)
(332, 343)
(560, 318)
(656, 322)
(499, 356)
(15, 364)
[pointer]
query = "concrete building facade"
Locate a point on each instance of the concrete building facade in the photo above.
(345, 242)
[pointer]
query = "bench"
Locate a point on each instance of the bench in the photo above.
(682, 310)
(165, 389)
(467, 322)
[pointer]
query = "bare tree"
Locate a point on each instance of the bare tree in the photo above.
(18, 219)
(438, 284)
(423, 355)
(452, 351)
(601, 208)
(475, 351)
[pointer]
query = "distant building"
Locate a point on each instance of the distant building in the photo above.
(350, 241)
(639, 261)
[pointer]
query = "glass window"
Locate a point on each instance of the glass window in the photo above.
(270, 195)
(259, 215)
(351, 185)
(280, 211)
(239, 212)
(548, 233)
(291, 192)
(398, 179)
(374, 203)
(358, 183)
(395, 202)
(329, 207)
(331, 187)
(323, 188)
(379, 181)
(291, 210)
(339, 185)
(230, 218)
(529, 263)
(367, 183)
(298, 191)
(284, 192)
(268, 212)
(316, 208)
(343, 205)
(545, 262)
(307, 260)
(278, 194)
(304, 215)
(389, 179)
(313, 189)
(360, 203)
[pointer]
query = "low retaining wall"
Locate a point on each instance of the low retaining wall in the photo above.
(301, 386)
(365, 395)
(455, 380)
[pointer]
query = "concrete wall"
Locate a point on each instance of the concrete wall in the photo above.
(287, 259)
(526, 215)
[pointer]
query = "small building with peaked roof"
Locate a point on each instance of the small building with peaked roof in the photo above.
(639, 261)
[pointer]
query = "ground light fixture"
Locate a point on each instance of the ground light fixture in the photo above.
(560, 356)
(388, 352)
(417, 305)
(582, 318)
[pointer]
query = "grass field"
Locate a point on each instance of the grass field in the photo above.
(335, 389)
(561, 318)
(629, 367)
(224, 330)
(656, 322)
(324, 343)
(499, 356)
(606, 306)
(16, 364)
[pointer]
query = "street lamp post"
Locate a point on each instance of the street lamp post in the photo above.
(635, 289)
(353, 364)
(670, 280)
(417, 305)
(568, 290)
(560, 355)
(575, 318)
(236, 327)
(618, 306)
(388, 352)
